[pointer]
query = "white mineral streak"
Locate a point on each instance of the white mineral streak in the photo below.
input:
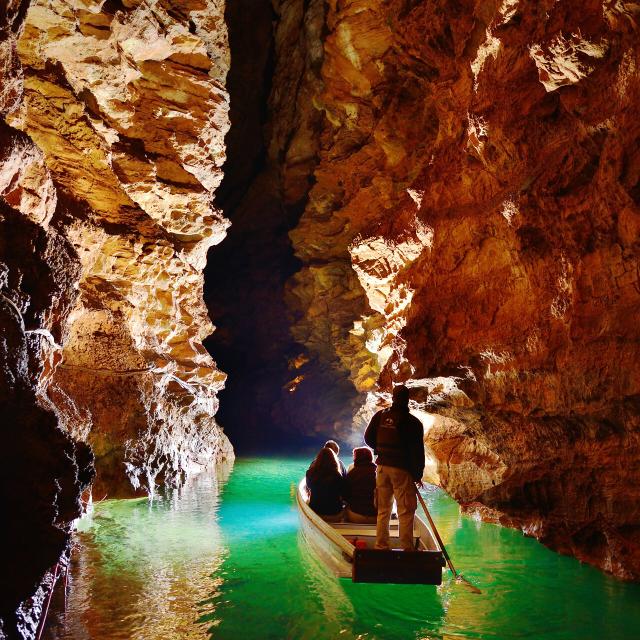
(509, 210)
(508, 9)
(416, 196)
(477, 133)
(566, 60)
(489, 48)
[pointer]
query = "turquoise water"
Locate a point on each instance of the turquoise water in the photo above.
(223, 559)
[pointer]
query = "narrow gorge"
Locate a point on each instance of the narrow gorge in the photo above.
(356, 194)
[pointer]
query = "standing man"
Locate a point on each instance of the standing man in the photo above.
(397, 439)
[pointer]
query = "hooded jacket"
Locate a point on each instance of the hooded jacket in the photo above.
(360, 485)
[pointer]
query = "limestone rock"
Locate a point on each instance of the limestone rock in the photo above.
(478, 175)
(127, 107)
(113, 118)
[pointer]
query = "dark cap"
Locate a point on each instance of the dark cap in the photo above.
(362, 454)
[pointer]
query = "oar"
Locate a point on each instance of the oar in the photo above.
(458, 576)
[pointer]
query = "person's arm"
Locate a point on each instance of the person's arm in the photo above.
(417, 449)
(371, 432)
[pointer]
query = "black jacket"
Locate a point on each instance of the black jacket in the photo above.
(359, 489)
(326, 493)
(410, 451)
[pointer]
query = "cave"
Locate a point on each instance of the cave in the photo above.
(231, 228)
(280, 395)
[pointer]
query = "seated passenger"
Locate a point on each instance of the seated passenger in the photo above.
(335, 447)
(326, 486)
(360, 486)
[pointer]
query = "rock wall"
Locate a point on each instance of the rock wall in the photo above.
(472, 229)
(459, 182)
(42, 470)
(112, 126)
(126, 103)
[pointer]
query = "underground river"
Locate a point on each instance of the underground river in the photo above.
(223, 558)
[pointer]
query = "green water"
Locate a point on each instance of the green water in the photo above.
(223, 558)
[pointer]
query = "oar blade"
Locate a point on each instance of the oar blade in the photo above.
(472, 587)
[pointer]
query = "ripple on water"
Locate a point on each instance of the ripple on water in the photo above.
(224, 559)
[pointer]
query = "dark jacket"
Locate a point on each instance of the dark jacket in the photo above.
(401, 445)
(359, 489)
(326, 493)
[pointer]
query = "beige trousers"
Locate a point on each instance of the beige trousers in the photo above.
(390, 482)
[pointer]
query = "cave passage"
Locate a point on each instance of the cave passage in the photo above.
(445, 195)
(276, 398)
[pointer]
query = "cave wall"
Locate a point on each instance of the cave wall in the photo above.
(460, 185)
(42, 470)
(112, 124)
(127, 106)
(472, 230)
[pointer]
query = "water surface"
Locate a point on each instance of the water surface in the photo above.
(224, 559)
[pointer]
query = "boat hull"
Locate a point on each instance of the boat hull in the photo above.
(346, 549)
(398, 567)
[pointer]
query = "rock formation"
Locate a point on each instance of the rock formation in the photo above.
(278, 394)
(112, 143)
(445, 194)
(128, 107)
(462, 183)
(472, 229)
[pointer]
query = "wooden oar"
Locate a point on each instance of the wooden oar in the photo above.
(458, 576)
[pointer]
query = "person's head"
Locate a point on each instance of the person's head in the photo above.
(362, 455)
(400, 397)
(325, 464)
(333, 445)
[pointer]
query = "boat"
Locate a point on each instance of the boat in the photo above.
(347, 549)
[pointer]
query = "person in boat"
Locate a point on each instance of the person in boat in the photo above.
(360, 486)
(397, 439)
(326, 486)
(335, 447)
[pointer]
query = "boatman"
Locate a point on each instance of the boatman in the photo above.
(397, 437)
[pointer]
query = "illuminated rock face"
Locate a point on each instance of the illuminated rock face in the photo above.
(126, 106)
(113, 118)
(475, 214)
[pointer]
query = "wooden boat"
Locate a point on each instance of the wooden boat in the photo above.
(347, 549)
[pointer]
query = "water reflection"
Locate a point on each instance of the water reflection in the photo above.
(194, 566)
(143, 566)
(334, 610)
